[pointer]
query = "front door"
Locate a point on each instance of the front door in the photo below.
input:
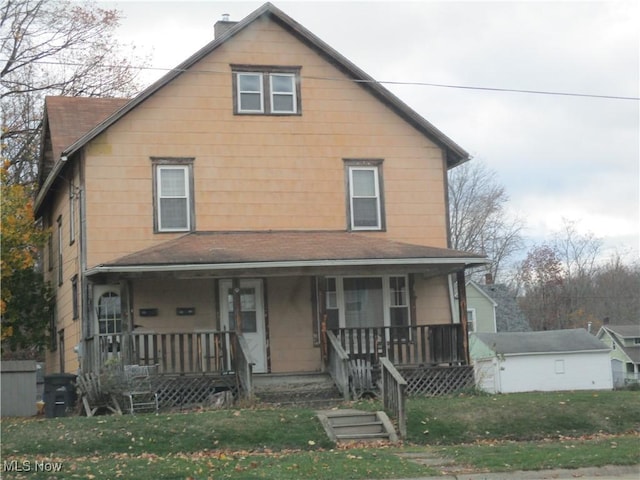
(108, 320)
(252, 314)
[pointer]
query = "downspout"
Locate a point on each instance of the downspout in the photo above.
(85, 296)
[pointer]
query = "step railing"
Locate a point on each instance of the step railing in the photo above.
(393, 394)
(338, 361)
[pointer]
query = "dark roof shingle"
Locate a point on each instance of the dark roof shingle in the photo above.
(549, 341)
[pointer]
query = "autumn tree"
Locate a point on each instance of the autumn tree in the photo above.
(541, 277)
(568, 284)
(479, 220)
(54, 48)
(25, 306)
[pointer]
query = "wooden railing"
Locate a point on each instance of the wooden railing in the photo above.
(415, 345)
(393, 394)
(244, 367)
(338, 361)
(201, 352)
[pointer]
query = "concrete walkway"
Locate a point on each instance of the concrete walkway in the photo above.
(592, 473)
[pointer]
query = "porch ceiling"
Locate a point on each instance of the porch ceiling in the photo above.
(286, 252)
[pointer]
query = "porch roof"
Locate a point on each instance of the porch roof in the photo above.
(220, 251)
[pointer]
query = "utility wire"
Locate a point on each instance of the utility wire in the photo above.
(382, 82)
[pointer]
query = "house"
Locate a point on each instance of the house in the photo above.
(264, 192)
(492, 308)
(624, 342)
(552, 360)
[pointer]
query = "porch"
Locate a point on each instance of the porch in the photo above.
(192, 366)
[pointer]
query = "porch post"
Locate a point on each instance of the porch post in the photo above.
(462, 306)
(125, 313)
(237, 305)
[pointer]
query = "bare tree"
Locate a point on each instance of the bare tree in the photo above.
(479, 221)
(55, 48)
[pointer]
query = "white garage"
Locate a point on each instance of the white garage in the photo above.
(540, 361)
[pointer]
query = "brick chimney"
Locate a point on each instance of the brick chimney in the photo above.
(488, 279)
(221, 26)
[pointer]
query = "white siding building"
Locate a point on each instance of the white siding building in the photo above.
(540, 361)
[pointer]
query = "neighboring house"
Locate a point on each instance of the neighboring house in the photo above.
(264, 190)
(493, 308)
(624, 342)
(551, 360)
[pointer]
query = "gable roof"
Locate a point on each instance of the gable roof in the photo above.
(282, 249)
(478, 288)
(67, 118)
(454, 153)
(549, 341)
(624, 331)
(619, 332)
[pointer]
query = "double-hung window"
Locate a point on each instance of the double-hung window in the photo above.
(266, 90)
(365, 203)
(173, 194)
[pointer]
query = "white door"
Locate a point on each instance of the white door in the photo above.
(252, 312)
(108, 319)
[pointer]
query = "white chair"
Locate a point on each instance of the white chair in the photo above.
(139, 387)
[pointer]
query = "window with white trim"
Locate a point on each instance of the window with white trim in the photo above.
(364, 186)
(266, 90)
(471, 320)
(173, 195)
(362, 302)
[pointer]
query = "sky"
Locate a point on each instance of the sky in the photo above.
(557, 156)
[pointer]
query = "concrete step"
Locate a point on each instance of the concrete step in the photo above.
(314, 390)
(349, 425)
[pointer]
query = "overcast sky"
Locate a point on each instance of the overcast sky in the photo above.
(557, 156)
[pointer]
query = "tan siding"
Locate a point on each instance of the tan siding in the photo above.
(70, 268)
(168, 294)
(432, 301)
(290, 325)
(257, 172)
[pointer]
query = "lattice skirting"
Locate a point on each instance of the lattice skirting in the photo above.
(184, 390)
(434, 381)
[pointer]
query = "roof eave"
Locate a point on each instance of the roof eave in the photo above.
(195, 267)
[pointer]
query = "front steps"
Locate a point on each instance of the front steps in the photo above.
(356, 425)
(315, 390)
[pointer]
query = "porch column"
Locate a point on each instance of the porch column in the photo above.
(237, 305)
(462, 306)
(125, 313)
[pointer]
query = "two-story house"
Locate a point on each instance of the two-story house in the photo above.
(263, 192)
(624, 342)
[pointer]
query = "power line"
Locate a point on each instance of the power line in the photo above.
(383, 82)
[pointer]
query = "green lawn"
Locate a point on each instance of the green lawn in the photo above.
(485, 433)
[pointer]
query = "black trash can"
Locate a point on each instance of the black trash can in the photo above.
(59, 394)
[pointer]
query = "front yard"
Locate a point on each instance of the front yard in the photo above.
(481, 433)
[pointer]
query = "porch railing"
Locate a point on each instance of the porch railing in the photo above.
(179, 353)
(414, 345)
(338, 362)
(393, 394)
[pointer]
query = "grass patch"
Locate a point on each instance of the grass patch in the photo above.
(564, 453)
(487, 433)
(522, 417)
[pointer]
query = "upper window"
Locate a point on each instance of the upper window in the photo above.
(266, 90)
(173, 193)
(365, 205)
